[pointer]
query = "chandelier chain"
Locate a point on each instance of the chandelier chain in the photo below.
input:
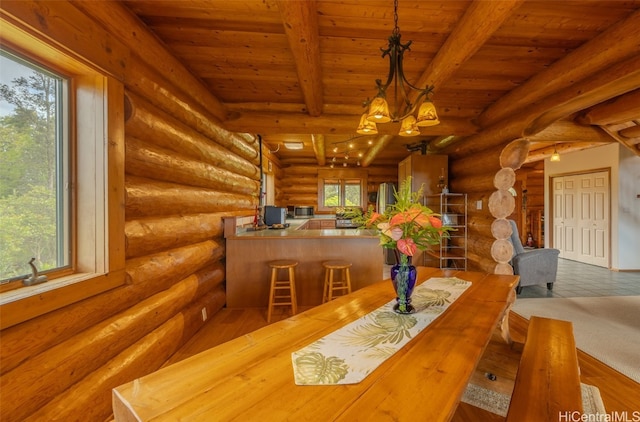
(396, 29)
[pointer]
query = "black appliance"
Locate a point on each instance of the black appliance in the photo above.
(301, 211)
(274, 215)
(345, 216)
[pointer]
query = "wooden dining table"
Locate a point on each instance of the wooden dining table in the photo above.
(251, 377)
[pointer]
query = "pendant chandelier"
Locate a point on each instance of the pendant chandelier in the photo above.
(377, 110)
(555, 156)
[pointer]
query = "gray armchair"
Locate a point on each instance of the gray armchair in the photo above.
(536, 266)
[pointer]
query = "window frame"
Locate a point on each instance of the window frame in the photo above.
(341, 175)
(97, 157)
(64, 157)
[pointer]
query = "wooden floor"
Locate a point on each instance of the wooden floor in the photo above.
(619, 392)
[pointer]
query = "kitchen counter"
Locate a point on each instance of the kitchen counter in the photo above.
(249, 252)
(296, 229)
(295, 233)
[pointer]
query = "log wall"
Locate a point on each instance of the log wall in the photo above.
(183, 173)
(461, 179)
(479, 175)
(299, 183)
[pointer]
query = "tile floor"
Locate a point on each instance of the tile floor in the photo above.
(576, 279)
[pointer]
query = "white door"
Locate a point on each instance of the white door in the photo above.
(558, 214)
(581, 217)
(569, 218)
(594, 220)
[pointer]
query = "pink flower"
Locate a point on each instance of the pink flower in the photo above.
(396, 233)
(407, 246)
(385, 229)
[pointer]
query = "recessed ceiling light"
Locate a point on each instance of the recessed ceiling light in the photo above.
(293, 145)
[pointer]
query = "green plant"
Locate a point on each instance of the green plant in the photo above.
(407, 225)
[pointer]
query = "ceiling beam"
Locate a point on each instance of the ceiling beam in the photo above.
(269, 122)
(300, 22)
(611, 46)
(569, 131)
(613, 81)
(622, 109)
(630, 132)
(562, 148)
(477, 25)
(532, 119)
(319, 149)
(632, 144)
(379, 144)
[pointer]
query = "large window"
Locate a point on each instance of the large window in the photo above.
(341, 188)
(34, 176)
(61, 173)
(342, 193)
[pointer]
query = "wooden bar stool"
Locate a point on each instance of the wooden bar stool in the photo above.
(277, 296)
(333, 285)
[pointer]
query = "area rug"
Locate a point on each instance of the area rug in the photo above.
(607, 328)
(498, 403)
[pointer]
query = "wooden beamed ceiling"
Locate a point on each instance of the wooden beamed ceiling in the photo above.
(564, 75)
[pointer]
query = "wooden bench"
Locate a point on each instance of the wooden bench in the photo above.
(548, 380)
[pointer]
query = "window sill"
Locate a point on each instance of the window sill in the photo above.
(20, 305)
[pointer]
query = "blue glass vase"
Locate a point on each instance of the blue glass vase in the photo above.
(403, 277)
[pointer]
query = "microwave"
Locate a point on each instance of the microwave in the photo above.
(302, 211)
(274, 215)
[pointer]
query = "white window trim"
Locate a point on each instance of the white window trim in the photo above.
(98, 130)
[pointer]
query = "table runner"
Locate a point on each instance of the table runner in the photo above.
(349, 354)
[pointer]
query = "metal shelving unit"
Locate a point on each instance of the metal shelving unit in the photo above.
(451, 253)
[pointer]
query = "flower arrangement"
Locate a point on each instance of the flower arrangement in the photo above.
(407, 225)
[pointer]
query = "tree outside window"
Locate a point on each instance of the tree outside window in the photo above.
(341, 188)
(33, 201)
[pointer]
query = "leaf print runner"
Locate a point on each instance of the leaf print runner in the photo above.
(352, 352)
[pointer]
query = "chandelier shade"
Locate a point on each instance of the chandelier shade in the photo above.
(427, 115)
(379, 111)
(366, 127)
(409, 127)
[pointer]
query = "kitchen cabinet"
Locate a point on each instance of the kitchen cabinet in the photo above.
(327, 224)
(428, 170)
(319, 224)
(248, 254)
(431, 170)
